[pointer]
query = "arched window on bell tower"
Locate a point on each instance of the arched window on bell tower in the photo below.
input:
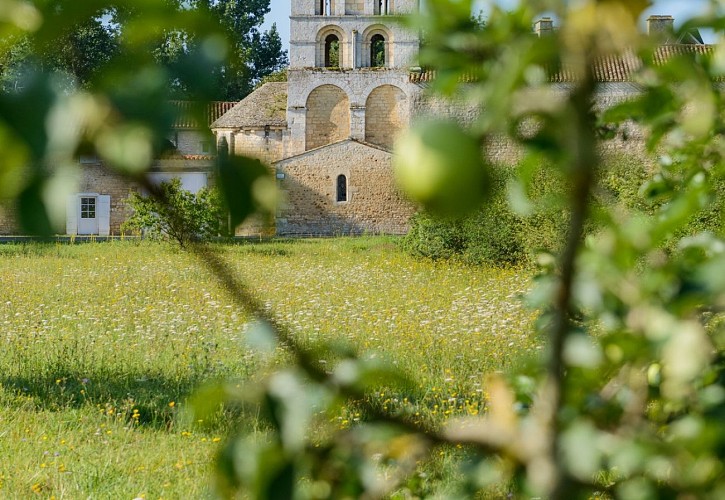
(378, 47)
(325, 7)
(377, 51)
(382, 7)
(332, 51)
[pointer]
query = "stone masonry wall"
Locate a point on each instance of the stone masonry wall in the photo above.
(8, 215)
(501, 151)
(328, 117)
(94, 178)
(355, 7)
(307, 40)
(357, 85)
(258, 144)
(193, 142)
(385, 115)
(373, 204)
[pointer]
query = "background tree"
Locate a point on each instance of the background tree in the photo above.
(79, 51)
(253, 54)
(82, 49)
(276, 77)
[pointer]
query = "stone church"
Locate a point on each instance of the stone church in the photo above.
(329, 130)
(352, 87)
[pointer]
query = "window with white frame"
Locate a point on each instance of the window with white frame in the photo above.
(88, 207)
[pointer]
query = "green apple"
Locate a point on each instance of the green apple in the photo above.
(439, 165)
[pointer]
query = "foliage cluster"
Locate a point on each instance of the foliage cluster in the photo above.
(499, 234)
(276, 77)
(630, 304)
(184, 216)
(100, 34)
(495, 234)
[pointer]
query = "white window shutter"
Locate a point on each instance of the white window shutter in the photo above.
(71, 214)
(103, 212)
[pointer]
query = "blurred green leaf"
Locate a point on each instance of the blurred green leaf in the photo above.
(208, 400)
(262, 468)
(32, 213)
(247, 187)
(25, 111)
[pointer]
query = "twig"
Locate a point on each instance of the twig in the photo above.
(584, 169)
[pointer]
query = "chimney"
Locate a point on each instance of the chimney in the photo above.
(544, 26)
(660, 25)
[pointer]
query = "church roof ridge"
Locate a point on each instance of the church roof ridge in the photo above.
(265, 106)
(336, 143)
(607, 69)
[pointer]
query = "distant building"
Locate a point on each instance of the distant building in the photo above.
(328, 132)
(351, 90)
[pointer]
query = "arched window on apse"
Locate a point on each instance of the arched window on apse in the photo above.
(332, 51)
(341, 188)
(377, 51)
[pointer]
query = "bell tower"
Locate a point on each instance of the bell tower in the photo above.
(341, 53)
(318, 26)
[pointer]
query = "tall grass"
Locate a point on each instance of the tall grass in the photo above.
(103, 344)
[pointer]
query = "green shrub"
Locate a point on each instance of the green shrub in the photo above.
(545, 225)
(434, 238)
(183, 218)
(496, 235)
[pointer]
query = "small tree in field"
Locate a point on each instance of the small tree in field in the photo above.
(185, 216)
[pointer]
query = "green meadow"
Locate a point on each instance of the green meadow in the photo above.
(103, 344)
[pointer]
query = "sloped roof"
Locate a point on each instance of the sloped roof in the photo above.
(621, 68)
(266, 106)
(349, 140)
(185, 118)
(614, 68)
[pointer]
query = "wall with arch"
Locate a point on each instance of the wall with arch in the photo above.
(357, 86)
(328, 116)
(355, 33)
(386, 115)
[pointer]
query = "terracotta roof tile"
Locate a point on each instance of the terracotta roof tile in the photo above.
(185, 113)
(612, 68)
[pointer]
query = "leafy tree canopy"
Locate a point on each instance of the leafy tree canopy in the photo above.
(81, 49)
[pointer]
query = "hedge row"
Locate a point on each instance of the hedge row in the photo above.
(499, 235)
